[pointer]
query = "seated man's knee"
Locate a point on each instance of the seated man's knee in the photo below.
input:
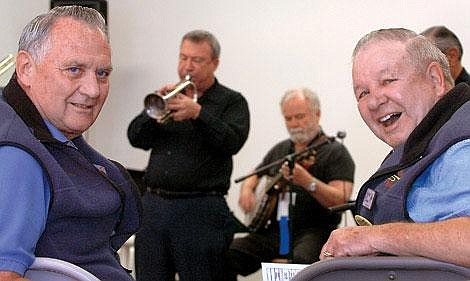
(305, 258)
(306, 254)
(241, 263)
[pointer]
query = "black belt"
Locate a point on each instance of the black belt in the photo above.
(182, 194)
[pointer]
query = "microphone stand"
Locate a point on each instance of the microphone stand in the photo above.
(288, 158)
(290, 254)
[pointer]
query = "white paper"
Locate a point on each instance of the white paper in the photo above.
(280, 271)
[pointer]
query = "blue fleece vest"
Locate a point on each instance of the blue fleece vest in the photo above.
(382, 198)
(94, 206)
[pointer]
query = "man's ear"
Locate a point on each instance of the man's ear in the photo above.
(25, 68)
(435, 74)
(453, 55)
(216, 63)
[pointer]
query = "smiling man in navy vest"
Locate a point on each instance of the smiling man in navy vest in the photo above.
(59, 197)
(418, 200)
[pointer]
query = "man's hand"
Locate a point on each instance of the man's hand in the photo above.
(300, 176)
(432, 240)
(183, 107)
(11, 276)
(247, 199)
(349, 241)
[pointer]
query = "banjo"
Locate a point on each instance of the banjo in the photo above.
(268, 196)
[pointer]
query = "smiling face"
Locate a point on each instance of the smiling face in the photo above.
(69, 85)
(392, 97)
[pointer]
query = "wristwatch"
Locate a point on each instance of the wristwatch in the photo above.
(312, 186)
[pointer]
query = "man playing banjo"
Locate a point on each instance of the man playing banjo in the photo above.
(315, 185)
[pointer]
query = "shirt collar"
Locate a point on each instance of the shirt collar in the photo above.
(57, 134)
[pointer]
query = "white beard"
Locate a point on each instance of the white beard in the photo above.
(301, 135)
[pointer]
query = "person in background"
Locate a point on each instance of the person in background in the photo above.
(187, 226)
(446, 41)
(59, 197)
(417, 202)
(318, 183)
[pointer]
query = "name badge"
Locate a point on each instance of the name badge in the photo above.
(369, 199)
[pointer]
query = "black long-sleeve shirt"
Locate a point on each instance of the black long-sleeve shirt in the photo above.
(463, 77)
(195, 155)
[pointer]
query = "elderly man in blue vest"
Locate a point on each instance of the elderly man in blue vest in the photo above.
(418, 201)
(59, 197)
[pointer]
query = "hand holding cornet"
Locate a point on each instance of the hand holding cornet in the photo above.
(157, 105)
(183, 107)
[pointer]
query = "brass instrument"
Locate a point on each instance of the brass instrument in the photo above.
(156, 105)
(6, 63)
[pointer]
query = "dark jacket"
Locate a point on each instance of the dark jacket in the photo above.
(94, 204)
(463, 77)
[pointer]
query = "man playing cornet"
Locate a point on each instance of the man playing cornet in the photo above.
(186, 222)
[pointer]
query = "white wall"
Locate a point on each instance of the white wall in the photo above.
(267, 47)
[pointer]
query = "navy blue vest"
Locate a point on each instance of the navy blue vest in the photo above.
(94, 207)
(382, 198)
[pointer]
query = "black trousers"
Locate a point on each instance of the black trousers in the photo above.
(189, 236)
(247, 253)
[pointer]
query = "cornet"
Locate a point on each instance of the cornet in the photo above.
(6, 63)
(156, 106)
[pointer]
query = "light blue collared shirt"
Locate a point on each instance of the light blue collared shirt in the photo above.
(24, 196)
(442, 191)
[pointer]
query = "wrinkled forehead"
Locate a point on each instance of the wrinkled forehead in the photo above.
(376, 61)
(68, 31)
(75, 42)
(379, 53)
(68, 24)
(380, 48)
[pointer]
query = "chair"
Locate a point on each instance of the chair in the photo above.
(382, 268)
(49, 269)
(127, 255)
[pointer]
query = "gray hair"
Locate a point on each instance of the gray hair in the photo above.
(35, 36)
(421, 52)
(198, 36)
(443, 38)
(306, 93)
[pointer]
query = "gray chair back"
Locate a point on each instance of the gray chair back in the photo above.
(49, 269)
(384, 268)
